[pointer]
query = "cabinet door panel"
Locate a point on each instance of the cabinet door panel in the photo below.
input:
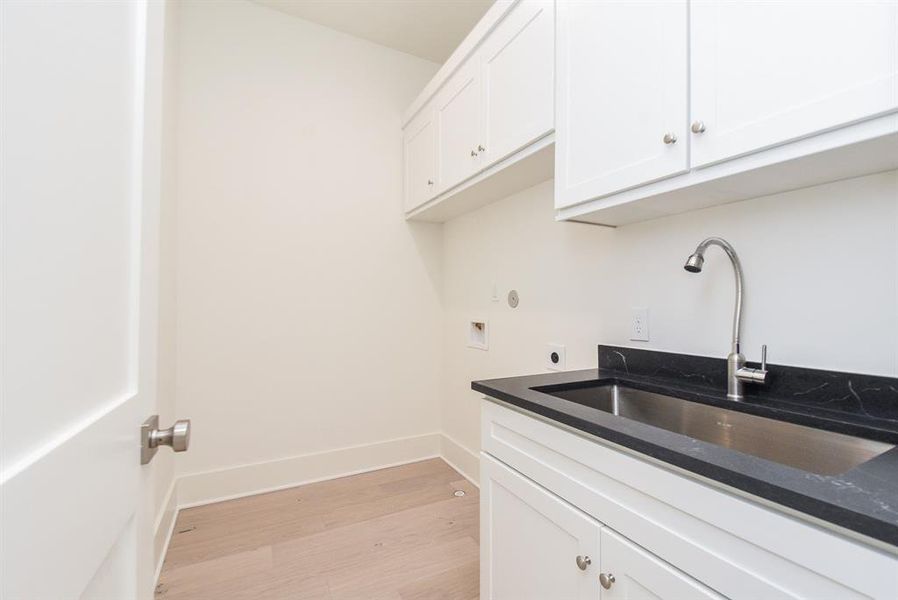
(458, 126)
(639, 575)
(621, 86)
(420, 184)
(765, 73)
(530, 541)
(518, 78)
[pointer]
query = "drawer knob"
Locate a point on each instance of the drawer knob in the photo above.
(698, 127)
(606, 580)
(583, 562)
(670, 138)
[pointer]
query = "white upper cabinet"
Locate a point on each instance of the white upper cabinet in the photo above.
(533, 544)
(517, 74)
(420, 160)
(457, 110)
(667, 107)
(622, 92)
(493, 113)
(765, 73)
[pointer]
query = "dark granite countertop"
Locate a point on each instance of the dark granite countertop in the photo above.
(863, 500)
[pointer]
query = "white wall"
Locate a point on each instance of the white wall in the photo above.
(312, 317)
(821, 269)
(308, 311)
(163, 465)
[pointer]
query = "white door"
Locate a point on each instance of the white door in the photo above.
(420, 160)
(458, 127)
(765, 73)
(518, 80)
(621, 101)
(631, 573)
(80, 181)
(533, 545)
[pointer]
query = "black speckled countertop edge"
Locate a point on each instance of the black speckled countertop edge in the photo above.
(864, 500)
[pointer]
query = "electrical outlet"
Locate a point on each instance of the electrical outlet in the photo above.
(639, 324)
(555, 357)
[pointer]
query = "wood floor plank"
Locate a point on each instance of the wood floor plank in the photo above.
(459, 583)
(391, 534)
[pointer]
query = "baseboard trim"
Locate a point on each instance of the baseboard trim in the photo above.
(164, 528)
(197, 489)
(460, 458)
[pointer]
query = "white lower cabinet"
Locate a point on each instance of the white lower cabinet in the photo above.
(631, 573)
(533, 543)
(537, 546)
(549, 496)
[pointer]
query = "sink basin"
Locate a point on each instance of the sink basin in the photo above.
(813, 450)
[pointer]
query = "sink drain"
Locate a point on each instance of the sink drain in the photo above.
(458, 493)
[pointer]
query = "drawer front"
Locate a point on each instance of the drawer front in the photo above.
(733, 545)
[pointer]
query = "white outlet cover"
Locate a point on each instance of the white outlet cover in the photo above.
(639, 324)
(557, 349)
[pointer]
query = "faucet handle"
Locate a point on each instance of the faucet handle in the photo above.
(752, 375)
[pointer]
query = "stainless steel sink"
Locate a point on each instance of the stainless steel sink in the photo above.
(806, 448)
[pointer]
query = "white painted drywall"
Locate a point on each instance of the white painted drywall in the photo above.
(308, 310)
(162, 468)
(311, 317)
(821, 269)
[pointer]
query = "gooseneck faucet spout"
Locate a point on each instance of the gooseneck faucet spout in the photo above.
(737, 372)
(696, 261)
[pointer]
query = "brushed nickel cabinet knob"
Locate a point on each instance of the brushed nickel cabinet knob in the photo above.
(583, 562)
(670, 138)
(698, 127)
(606, 580)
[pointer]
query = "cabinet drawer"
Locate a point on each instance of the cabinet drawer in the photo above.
(733, 545)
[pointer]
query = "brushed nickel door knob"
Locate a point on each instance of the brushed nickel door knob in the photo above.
(698, 127)
(670, 138)
(583, 562)
(177, 437)
(606, 580)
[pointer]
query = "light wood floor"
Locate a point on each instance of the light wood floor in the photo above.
(393, 534)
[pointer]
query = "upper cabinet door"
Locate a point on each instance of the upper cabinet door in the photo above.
(621, 113)
(632, 573)
(420, 160)
(518, 78)
(534, 545)
(765, 73)
(457, 114)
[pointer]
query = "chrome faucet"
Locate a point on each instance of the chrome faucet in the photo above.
(737, 372)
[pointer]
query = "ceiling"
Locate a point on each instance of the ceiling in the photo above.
(430, 29)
